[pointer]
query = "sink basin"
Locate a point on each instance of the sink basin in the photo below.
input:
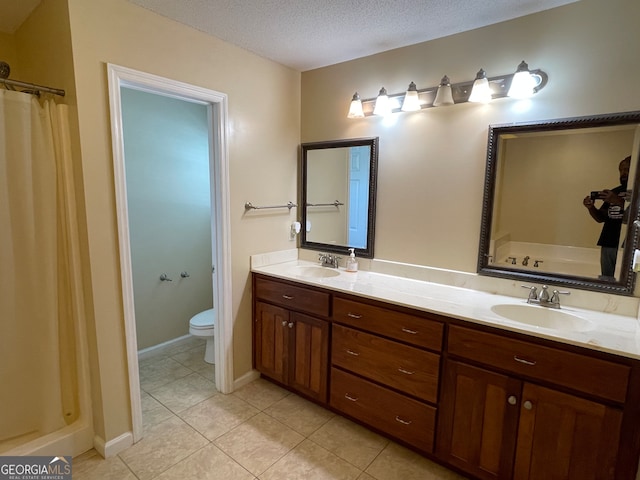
(315, 272)
(543, 317)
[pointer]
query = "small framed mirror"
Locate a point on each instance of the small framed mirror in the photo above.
(338, 185)
(561, 202)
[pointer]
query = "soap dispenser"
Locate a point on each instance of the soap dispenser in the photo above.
(352, 264)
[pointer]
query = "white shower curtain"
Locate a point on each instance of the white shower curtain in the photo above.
(39, 269)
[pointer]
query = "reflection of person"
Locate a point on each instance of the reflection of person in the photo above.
(611, 213)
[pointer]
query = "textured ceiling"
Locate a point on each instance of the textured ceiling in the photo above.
(307, 34)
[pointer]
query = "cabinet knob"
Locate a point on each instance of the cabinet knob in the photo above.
(512, 400)
(284, 323)
(527, 405)
(290, 324)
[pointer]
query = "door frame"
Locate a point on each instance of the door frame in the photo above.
(216, 102)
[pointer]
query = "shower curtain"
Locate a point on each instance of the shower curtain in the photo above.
(40, 292)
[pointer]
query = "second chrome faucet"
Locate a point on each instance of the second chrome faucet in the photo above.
(543, 299)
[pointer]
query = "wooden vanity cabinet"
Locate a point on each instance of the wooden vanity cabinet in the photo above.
(529, 411)
(492, 404)
(385, 369)
(290, 346)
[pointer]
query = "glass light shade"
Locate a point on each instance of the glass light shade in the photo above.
(383, 106)
(411, 102)
(523, 83)
(355, 109)
(480, 92)
(444, 96)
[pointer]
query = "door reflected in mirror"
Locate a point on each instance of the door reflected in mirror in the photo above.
(558, 207)
(338, 195)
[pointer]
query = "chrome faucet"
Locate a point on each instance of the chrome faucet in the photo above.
(329, 260)
(543, 299)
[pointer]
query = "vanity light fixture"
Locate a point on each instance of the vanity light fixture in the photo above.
(444, 95)
(411, 102)
(355, 109)
(482, 89)
(383, 107)
(480, 92)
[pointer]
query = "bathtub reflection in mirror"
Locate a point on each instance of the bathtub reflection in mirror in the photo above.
(535, 226)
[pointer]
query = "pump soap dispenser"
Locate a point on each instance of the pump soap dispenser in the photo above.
(352, 264)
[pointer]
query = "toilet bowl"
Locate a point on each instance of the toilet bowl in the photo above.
(203, 325)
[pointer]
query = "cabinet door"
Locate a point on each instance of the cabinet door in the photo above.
(271, 341)
(478, 420)
(561, 436)
(309, 356)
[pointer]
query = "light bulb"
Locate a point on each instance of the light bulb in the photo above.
(355, 109)
(444, 95)
(480, 92)
(411, 102)
(383, 106)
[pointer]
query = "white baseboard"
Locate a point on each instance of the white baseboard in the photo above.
(149, 350)
(248, 377)
(114, 446)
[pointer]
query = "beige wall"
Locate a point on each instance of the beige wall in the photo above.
(8, 53)
(264, 133)
(432, 163)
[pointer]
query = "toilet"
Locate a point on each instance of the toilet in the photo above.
(203, 325)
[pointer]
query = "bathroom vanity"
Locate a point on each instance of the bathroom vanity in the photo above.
(433, 368)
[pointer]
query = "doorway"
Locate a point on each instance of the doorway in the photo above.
(215, 105)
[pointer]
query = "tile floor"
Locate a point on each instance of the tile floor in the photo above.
(191, 431)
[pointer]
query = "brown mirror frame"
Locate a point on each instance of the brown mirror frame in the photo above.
(626, 283)
(372, 142)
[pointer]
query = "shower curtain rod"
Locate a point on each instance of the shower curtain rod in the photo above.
(32, 86)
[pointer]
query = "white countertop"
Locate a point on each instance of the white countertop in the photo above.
(612, 333)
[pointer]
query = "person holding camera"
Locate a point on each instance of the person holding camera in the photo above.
(611, 213)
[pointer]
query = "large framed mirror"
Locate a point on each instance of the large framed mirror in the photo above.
(561, 202)
(338, 190)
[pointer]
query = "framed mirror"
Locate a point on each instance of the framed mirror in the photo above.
(338, 186)
(547, 216)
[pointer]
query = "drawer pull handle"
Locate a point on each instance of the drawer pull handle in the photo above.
(354, 315)
(406, 372)
(351, 352)
(522, 360)
(350, 398)
(404, 422)
(287, 297)
(412, 332)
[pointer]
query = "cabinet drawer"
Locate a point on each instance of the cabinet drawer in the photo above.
(401, 326)
(390, 412)
(580, 372)
(293, 297)
(393, 364)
